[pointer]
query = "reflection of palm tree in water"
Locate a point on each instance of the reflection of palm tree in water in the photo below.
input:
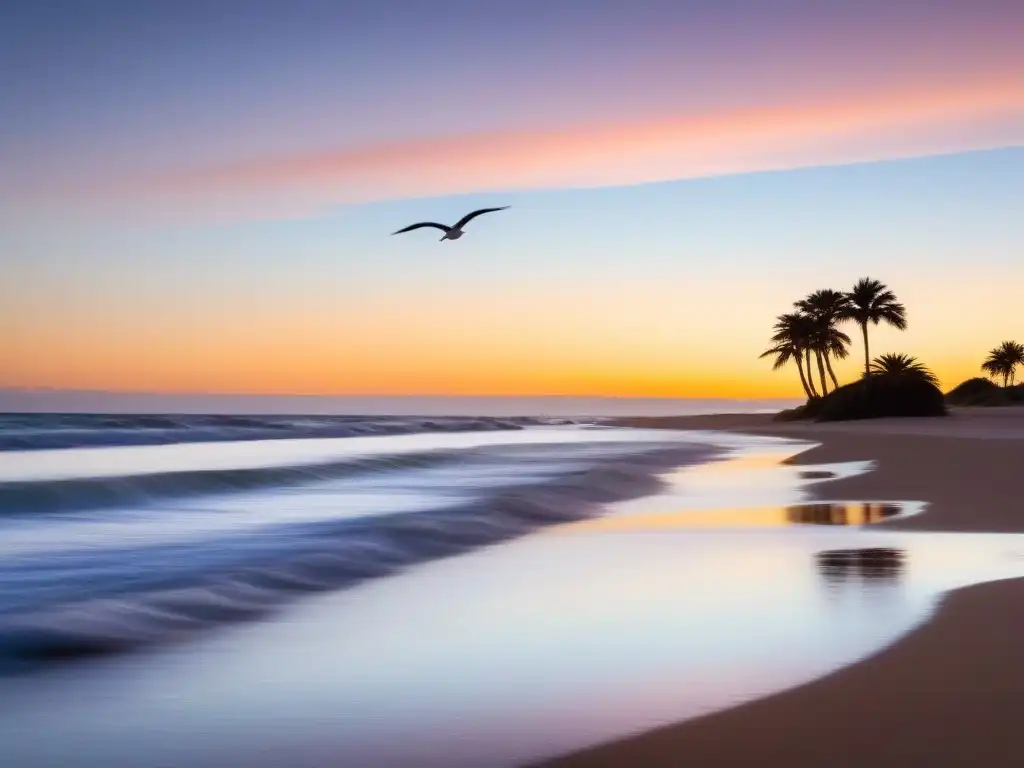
(874, 564)
(858, 513)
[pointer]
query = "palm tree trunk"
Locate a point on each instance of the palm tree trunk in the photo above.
(821, 372)
(867, 356)
(831, 373)
(803, 379)
(810, 376)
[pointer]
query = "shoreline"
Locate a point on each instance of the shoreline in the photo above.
(946, 694)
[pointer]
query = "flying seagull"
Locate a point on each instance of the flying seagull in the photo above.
(450, 233)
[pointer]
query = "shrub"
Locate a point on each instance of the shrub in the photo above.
(881, 396)
(984, 392)
(976, 391)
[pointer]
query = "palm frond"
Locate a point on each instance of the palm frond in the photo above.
(783, 354)
(902, 365)
(871, 301)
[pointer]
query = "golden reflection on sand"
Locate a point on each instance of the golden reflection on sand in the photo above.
(821, 513)
(742, 462)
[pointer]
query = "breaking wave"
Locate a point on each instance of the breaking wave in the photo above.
(82, 494)
(27, 432)
(74, 599)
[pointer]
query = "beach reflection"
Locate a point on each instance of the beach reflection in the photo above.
(536, 647)
(873, 564)
(846, 513)
(842, 513)
(816, 474)
(508, 654)
(758, 476)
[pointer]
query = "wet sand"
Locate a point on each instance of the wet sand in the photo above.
(950, 693)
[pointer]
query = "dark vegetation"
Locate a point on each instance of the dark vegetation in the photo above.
(985, 392)
(811, 337)
(1001, 364)
(892, 385)
(875, 397)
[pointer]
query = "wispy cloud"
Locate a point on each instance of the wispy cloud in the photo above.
(878, 126)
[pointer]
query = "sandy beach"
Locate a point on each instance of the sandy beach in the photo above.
(950, 693)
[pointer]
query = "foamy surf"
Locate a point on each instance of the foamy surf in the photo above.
(108, 563)
(25, 432)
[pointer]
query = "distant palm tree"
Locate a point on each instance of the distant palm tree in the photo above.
(901, 365)
(872, 302)
(1003, 361)
(826, 307)
(792, 339)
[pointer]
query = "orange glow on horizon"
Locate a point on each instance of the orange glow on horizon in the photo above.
(669, 202)
(190, 371)
(569, 344)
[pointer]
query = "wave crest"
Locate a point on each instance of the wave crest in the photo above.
(28, 432)
(330, 556)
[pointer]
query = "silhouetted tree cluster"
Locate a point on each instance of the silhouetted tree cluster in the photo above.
(1003, 361)
(811, 338)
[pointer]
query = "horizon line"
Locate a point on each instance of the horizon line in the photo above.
(158, 393)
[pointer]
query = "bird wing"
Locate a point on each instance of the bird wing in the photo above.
(470, 216)
(422, 224)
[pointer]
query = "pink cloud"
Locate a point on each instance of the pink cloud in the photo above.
(871, 127)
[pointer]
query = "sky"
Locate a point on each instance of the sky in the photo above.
(198, 197)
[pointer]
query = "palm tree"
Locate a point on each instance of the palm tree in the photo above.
(1003, 361)
(785, 352)
(997, 364)
(835, 344)
(827, 307)
(872, 302)
(901, 365)
(1014, 352)
(792, 338)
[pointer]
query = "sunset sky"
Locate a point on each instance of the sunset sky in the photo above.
(199, 196)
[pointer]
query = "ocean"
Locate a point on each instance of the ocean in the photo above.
(423, 591)
(123, 531)
(48, 401)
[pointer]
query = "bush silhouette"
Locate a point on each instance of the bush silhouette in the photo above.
(874, 397)
(979, 391)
